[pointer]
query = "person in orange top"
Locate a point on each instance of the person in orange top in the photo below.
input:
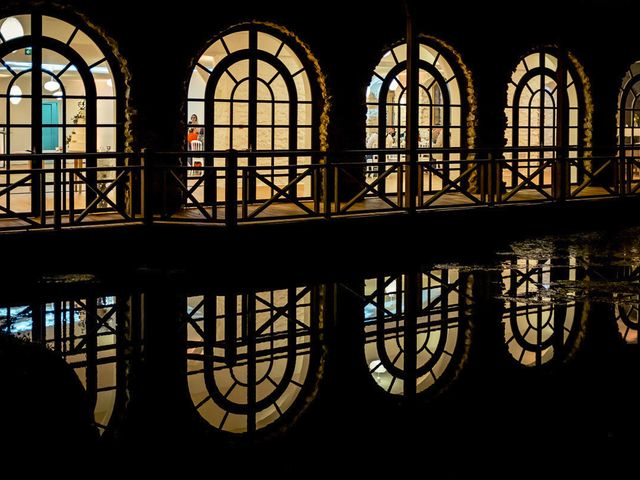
(194, 133)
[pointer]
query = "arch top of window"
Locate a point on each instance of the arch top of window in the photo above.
(428, 54)
(238, 40)
(56, 63)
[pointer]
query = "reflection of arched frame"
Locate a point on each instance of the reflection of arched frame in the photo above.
(626, 306)
(539, 329)
(253, 359)
(629, 121)
(438, 337)
(442, 102)
(87, 333)
(256, 87)
(627, 319)
(60, 91)
(545, 108)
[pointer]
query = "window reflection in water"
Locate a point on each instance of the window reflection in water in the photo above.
(85, 333)
(538, 323)
(440, 330)
(627, 320)
(253, 359)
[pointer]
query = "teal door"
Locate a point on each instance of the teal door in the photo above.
(49, 117)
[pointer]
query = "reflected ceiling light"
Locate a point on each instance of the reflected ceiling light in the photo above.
(11, 28)
(15, 95)
(109, 83)
(58, 93)
(51, 85)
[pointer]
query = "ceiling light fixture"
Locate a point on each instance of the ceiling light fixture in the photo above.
(51, 85)
(11, 28)
(15, 95)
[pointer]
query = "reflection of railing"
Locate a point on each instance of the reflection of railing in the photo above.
(232, 187)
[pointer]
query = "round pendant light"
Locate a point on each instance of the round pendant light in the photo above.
(15, 95)
(11, 28)
(51, 85)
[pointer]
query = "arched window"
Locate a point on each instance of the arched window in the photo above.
(255, 88)
(59, 92)
(85, 332)
(442, 108)
(629, 123)
(545, 112)
(438, 339)
(253, 359)
(539, 326)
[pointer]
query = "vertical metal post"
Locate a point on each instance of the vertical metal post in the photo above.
(231, 189)
(38, 181)
(413, 79)
(57, 193)
(412, 287)
(325, 187)
(147, 197)
(562, 178)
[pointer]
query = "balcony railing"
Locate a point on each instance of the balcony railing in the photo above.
(55, 191)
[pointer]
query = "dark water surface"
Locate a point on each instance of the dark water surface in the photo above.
(524, 364)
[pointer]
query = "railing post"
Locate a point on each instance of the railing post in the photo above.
(245, 188)
(496, 174)
(336, 189)
(57, 194)
(490, 176)
(326, 199)
(146, 187)
(231, 189)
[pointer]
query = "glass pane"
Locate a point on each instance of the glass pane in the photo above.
(303, 87)
(268, 43)
(305, 138)
(87, 48)
(305, 114)
(55, 28)
(237, 41)
(550, 62)
(72, 82)
(265, 114)
(20, 111)
(198, 83)
(19, 141)
(240, 70)
(279, 88)
(427, 54)
(75, 113)
(106, 139)
(290, 59)
(400, 52)
(19, 63)
(104, 80)
(240, 113)
(224, 87)
(281, 138)
(264, 92)
(76, 140)
(221, 113)
(212, 55)
(106, 112)
(264, 139)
